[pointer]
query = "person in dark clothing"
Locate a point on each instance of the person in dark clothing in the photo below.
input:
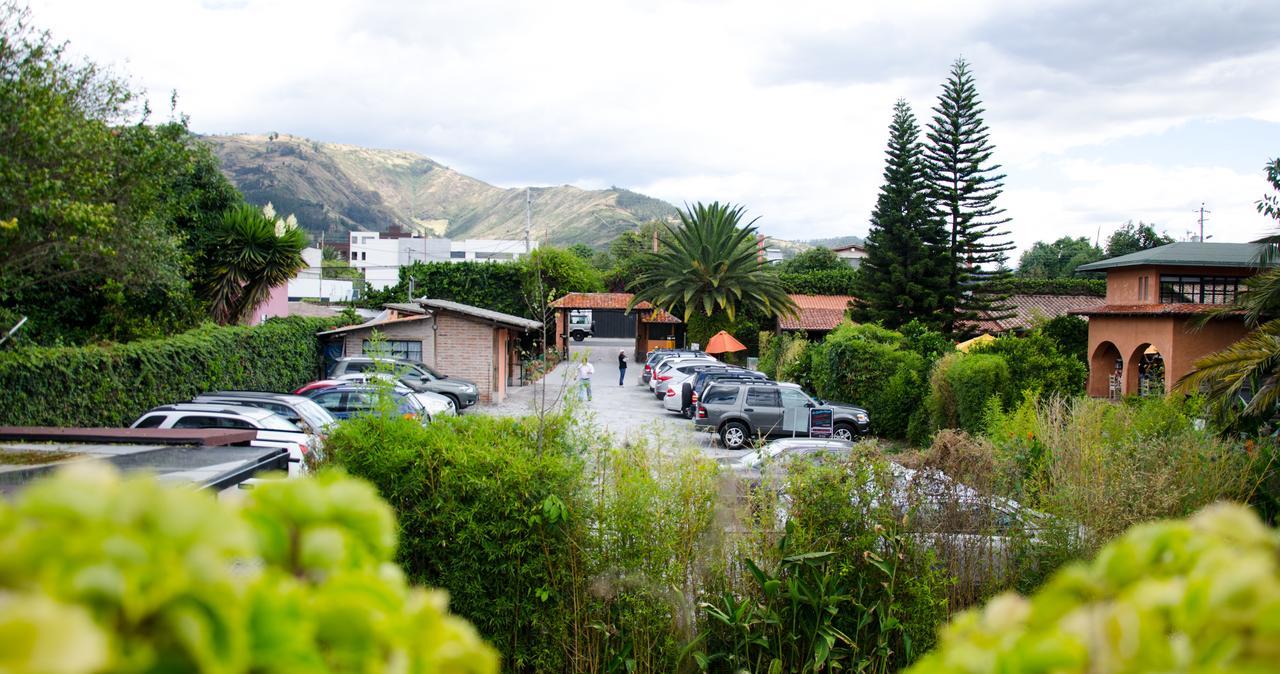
(622, 366)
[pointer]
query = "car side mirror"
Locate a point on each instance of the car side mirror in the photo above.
(809, 405)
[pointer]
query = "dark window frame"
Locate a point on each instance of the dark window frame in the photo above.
(1198, 289)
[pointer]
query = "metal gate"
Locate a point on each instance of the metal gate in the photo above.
(614, 323)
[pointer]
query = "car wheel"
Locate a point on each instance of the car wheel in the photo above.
(844, 432)
(457, 404)
(734, 435)
(687, 412)
(578, 336)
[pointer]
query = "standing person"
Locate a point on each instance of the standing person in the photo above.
(585, 370)
(622, 366)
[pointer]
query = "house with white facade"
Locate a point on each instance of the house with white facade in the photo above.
(852, 254)
(311, 284)
(381, 256)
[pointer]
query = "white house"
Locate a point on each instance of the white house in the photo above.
(489, 249)
(311, 284)
(381, 258)
(852, 254)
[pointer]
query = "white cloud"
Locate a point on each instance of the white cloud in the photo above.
(783, 107)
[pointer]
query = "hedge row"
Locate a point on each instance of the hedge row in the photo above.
(1054, 286)
(112, 385)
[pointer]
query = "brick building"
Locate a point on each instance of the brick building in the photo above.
(1148, 334)
(455, 339)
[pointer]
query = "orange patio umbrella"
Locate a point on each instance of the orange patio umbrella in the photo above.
(723, 342)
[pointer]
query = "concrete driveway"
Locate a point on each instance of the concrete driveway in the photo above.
(629, 411)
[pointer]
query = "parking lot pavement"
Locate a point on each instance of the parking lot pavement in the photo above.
(629, 411)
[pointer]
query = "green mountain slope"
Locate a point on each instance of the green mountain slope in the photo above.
(339, 188)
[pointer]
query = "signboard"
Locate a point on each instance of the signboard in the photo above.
(821, 422)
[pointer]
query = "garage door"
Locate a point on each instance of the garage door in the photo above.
(611, 323)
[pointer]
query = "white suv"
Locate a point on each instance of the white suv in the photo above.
(273, 429)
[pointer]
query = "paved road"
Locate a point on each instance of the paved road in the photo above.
(629, 411)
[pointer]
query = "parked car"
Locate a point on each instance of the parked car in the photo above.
(307, 388)
(678, 372)
(705, 378)
(273, 429)
(300, 411)
(662, 367)
(778, 453)
(350, 400)
(581, 325)
(658, 354)
(742, 411)
(417, 376)
(436, 404)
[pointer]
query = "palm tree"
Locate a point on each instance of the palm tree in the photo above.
(249, 253)
(709, 264)
(1243, 380)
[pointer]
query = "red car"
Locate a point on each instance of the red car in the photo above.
(318, 384)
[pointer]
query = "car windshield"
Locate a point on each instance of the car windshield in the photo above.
(275, 422)
(757, 457)
(424, 369)
(313, 414)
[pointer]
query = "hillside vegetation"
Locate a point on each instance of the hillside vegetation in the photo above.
(336, 188)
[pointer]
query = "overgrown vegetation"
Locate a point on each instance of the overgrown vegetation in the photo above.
(111, 385)
(104, 574)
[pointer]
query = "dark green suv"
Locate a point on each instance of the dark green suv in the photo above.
(742, 412)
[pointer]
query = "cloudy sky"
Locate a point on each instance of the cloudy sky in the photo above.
(1101, 111)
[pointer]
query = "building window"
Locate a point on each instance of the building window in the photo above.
(354, 254)
(1198, 289)
(458, 254)
(408, 350)
(364, 255)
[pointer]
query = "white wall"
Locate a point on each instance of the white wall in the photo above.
(309, 284)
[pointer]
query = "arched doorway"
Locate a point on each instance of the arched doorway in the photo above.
(1106, 372)
(1149, 365)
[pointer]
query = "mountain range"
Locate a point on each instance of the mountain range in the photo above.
(334, 189)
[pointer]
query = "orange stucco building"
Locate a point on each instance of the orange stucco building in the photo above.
(1148, 334)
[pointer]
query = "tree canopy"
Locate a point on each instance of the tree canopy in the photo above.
(1132, 238)
(818, 258)
(1058, 259)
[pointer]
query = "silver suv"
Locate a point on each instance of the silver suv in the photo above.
(416, 376)
(741, 412)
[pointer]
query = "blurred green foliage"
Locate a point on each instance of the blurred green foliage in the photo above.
(104, 574)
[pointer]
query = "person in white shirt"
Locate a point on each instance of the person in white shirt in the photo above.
(585, 370)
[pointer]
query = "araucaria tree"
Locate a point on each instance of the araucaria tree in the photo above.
(964, 184)
(905, 274)
(710, 264)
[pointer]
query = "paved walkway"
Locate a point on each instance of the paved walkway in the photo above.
(629, 411)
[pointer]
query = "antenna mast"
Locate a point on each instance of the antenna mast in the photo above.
(1202, 219)
(528, 220)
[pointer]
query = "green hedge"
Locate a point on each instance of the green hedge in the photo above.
(482, 514)
(1054, 286)
(112, 385)
(821, 282)
(869, 366)
(961, 386)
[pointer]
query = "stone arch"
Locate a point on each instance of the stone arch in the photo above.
(1106, 368)
(1146, 371)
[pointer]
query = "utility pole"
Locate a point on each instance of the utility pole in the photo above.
(1202, 219)
(528, 219)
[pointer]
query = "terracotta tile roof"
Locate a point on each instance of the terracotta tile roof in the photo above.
(596, 301)
(816, 312)
(1027, 308)
(659, 316)
(313, 310)
(1146, 309)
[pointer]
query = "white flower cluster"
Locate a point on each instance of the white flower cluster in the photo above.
(283, 225)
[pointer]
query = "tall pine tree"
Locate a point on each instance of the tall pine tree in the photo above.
(902, 278)
(963, 187)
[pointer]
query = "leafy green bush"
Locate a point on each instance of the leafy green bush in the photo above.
(867, 365)
(821, 282)
(845, 587)
(111, 385)
(1036, 364)
(961, 386)
(1194, 595)
(1054, 286)
(1071, 334)
(99, 573)
(487, 512)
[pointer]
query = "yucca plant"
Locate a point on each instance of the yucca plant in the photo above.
(709, 264)
(250, 253)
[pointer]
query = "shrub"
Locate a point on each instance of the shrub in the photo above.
(867, 365)
(821, 282)
(1035, 364)
(961, 386)
(112, 385)
(99, 573)
(1196, 594)
(1070, 334)
(484, 514)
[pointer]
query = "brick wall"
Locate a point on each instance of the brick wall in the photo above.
(466, 351)
(406, 331)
